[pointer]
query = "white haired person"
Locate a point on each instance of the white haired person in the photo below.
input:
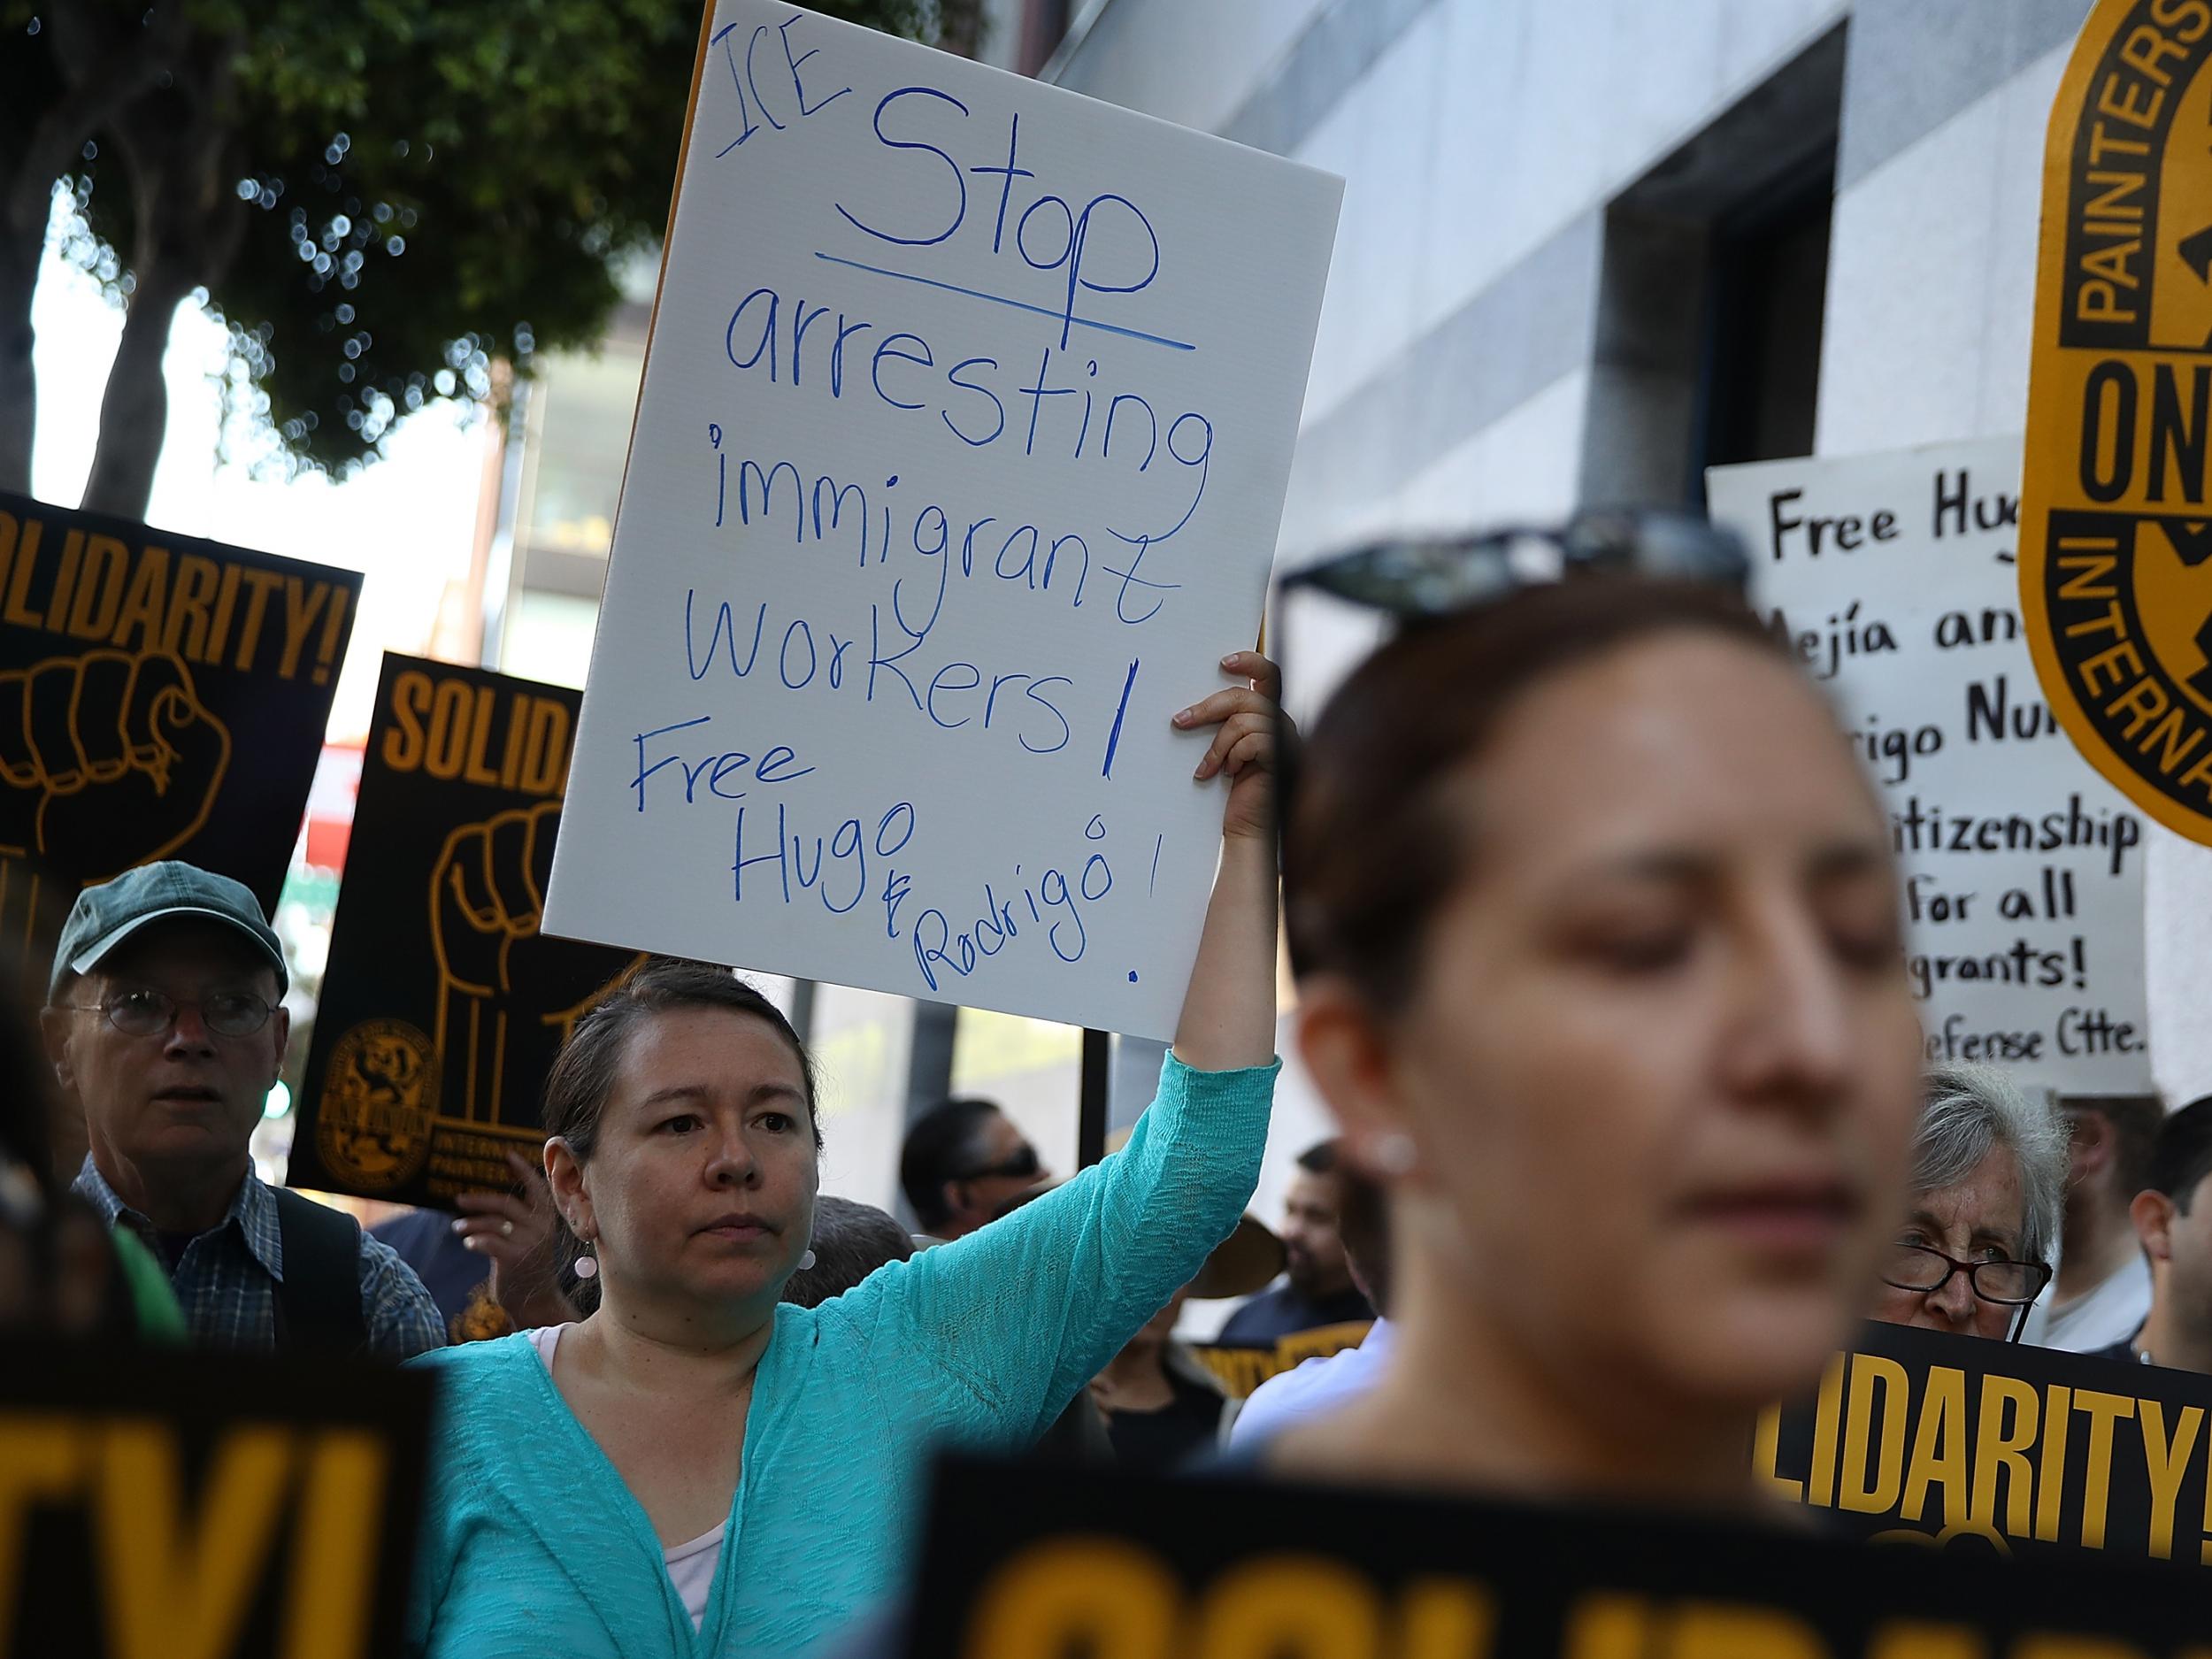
(1989, 1177)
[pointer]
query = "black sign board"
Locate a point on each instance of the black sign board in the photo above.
(1049, 1562)
(442, 1006)
(160, 697)
(2024, 1450)
(175, 1502)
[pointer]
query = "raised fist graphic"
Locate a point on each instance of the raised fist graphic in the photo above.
(507, 997)
(107, 760)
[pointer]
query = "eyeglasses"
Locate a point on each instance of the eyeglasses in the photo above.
(154, 1013)
(1021, 1164)
(1415, 579)
(2009, 1284)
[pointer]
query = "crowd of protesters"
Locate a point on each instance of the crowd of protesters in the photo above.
(1596, 938)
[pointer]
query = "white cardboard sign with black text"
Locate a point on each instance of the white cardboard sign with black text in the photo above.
(1891, 576)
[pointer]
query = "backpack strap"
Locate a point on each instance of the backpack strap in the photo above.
(319, 1301)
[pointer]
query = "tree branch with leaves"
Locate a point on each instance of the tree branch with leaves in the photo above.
(379, 198)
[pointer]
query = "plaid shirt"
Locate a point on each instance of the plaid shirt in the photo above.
(227, 1278)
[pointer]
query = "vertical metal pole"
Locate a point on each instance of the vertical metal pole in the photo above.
(929, 1061)
(1090, 1135)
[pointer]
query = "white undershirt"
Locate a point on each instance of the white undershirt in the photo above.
(690, 1566)
(2109, 1312)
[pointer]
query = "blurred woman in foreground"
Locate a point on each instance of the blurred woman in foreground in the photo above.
(1596, 934)
(698, 1468)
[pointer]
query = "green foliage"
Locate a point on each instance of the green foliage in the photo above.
(427, 186)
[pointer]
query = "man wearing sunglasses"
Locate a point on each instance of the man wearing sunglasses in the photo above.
(164, 1023)
(961, 1162)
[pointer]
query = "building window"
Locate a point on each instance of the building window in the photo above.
(1768, 286)
(1712, 291)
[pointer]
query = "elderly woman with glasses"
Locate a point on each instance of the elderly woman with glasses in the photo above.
(1989, 1176)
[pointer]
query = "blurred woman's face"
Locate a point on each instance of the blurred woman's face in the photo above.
(702, 1181)
(1660, 1067)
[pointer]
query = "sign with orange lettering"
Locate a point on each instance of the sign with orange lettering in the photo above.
(444, 1005)
(225, 1506)
(2116, 543)
(1240, 1368)
(160, 697)
(1031, 1561)
(1931, 1438)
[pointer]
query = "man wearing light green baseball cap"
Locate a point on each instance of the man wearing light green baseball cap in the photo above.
(164, 1021)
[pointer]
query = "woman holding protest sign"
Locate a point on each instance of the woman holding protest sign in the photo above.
(695, 1469)
(1597, 937)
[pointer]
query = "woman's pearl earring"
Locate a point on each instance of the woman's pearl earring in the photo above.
(1394, 1154)
(586, 1264)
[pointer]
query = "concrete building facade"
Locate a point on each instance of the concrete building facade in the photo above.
(1531, 300)
(1590, 247)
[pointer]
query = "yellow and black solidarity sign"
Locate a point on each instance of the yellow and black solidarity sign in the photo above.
(2116, 538)
(443, 1006)
(1051, 1563)
(215, 1505)
(160, 697)
(1924, 1438)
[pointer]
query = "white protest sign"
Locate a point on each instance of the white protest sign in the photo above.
(1893, 576)
(967, 418)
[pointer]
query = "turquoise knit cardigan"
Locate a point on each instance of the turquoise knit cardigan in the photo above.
(532, 1547)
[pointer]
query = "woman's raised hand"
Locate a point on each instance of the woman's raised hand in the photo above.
(1228, 1017)
(1247, 742)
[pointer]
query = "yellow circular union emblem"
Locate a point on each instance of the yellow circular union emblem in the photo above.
(373, 1126)
(2115, 516)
